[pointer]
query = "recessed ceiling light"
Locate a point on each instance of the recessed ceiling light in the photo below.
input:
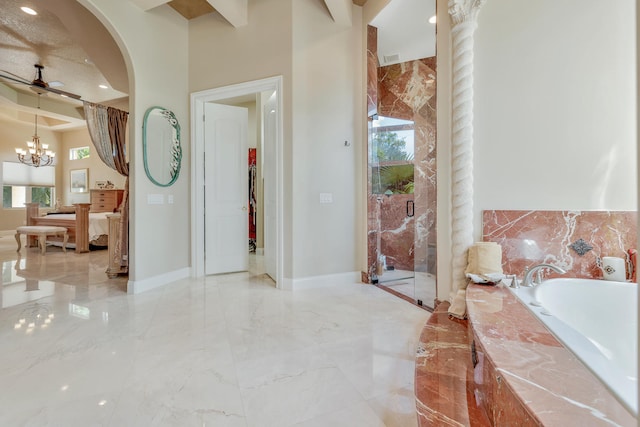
(28, 10)
(56, 83)
(432, 20)
(103, 86)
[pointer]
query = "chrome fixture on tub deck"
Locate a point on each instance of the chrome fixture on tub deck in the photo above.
(514, 281)
(528, 273)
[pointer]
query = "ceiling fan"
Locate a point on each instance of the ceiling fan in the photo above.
(38, 84)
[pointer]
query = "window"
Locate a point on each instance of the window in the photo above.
(391, 156)
(25, 184)
(78, 153)
(15, 196)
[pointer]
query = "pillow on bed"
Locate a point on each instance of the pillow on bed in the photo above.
(63, 210)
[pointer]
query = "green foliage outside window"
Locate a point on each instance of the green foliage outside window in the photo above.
(78, 153)
(41, 195)
(389, 146)
(6, 196)
(83, 152)
(393, 173)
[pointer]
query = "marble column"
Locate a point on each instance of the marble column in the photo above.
(464, 15)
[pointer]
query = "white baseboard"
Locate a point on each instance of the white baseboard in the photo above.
(322, 281)
(139, 286)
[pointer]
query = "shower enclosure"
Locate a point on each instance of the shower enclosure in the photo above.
(401, 210)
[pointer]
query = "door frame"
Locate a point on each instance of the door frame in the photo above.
(198, 99)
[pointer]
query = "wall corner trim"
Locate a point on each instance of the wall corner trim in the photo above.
(139, 286)
(322, 281)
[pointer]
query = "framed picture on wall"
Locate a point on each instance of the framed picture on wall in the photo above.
(79, 180)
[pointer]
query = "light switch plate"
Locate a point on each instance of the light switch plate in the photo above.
(155, 199)
(326, 197)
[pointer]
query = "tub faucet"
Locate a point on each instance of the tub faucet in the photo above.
(514, 281)
(528, 274)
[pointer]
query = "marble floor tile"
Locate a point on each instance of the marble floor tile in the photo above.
(227, 350)
(359, 415)
(396, 408)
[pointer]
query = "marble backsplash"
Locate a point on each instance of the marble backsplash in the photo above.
(533, 237)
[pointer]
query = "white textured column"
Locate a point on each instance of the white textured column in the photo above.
(464, 14)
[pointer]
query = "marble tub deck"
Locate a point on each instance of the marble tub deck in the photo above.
(225, 350)
(522, 375)
(444, 374)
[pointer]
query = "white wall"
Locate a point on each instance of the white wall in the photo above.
(443, 160)
(555, 108)
(320, 65)
(221, 55)
(327, 85)
(155, 47)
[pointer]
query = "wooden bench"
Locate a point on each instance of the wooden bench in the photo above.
(42, 231)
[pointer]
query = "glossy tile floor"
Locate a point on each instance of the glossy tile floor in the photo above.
(417, 286)
(226, 350)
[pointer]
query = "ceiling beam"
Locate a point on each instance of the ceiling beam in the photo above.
(234, 11)
(149, 4)
(340, 11)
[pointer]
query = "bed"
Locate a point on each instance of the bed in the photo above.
(84, 227)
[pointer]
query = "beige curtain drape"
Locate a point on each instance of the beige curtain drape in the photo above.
(107, 128)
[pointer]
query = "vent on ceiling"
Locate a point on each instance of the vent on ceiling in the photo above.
(391, 58)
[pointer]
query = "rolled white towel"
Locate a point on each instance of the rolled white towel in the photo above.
(484, 258)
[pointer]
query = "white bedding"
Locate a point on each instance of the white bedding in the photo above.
(98, 223)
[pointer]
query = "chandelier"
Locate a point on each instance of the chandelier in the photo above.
(36, 154)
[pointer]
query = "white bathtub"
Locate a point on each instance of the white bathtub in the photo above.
(597, 320)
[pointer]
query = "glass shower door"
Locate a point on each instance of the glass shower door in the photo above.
(392, 205)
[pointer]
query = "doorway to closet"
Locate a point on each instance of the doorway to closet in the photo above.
(225, 119)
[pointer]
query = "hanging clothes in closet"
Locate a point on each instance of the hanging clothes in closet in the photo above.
(252, 199)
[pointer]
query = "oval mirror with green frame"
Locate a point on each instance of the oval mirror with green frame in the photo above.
(162, 151)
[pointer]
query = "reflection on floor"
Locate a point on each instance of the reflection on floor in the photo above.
(227, 350)
(417, 287)
(29, 276)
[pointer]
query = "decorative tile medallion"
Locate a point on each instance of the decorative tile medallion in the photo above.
(581, 247)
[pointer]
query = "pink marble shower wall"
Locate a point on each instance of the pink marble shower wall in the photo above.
(533, 237)
(394, 234)
(372, 70)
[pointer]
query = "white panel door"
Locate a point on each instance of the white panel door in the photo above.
(269, 175)
(226, 189)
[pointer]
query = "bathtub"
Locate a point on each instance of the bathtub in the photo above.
(597, 320)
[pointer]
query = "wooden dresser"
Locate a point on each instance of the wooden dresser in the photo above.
(106, 200)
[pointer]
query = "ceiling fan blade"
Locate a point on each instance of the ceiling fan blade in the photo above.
(39, 86)
(9, 76)
(56, 91)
